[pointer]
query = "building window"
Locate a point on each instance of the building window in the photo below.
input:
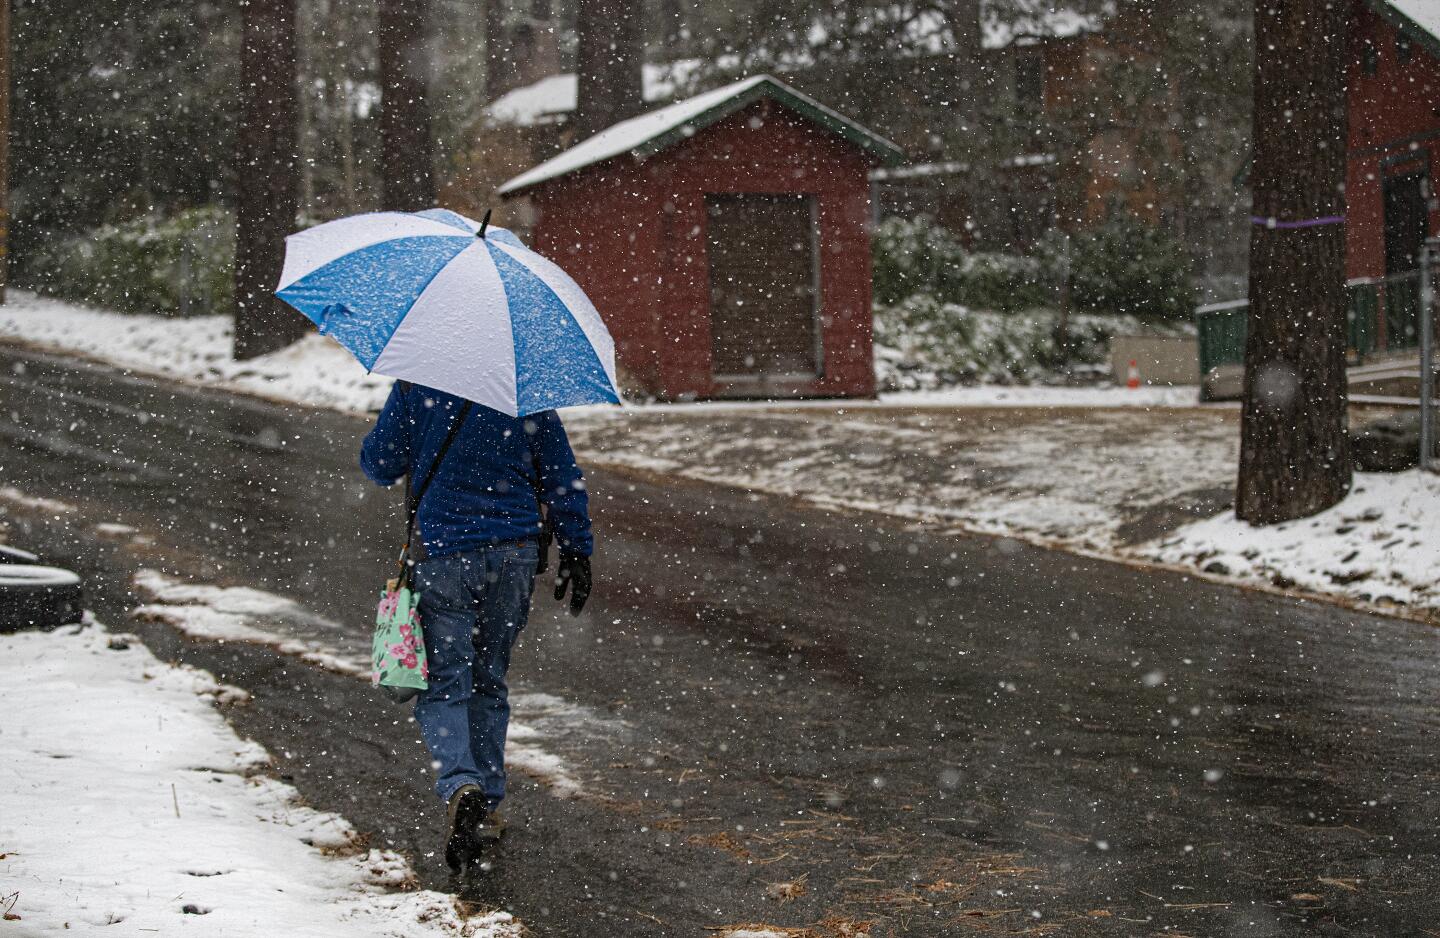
(1402, 48)
(1369, 58)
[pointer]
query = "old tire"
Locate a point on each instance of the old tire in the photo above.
(38, 597)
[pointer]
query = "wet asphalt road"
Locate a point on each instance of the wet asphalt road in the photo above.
(937, 735)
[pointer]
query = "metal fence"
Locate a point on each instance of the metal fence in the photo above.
(1383, 316)
(1426, 293)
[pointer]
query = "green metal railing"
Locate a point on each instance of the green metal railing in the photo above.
(1220, 328)
(1382, 314)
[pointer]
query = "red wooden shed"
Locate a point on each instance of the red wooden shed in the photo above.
(725, 241)
(1394, 102)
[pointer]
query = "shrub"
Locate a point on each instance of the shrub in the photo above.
(923, 344)
(917, 256)
(146, 265)
(912, 256)
(1126, 266)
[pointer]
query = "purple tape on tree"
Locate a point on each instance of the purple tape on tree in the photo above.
(1305, 223)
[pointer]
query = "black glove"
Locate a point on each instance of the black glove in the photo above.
(574, 572)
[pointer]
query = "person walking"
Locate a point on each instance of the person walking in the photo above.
(481, 478)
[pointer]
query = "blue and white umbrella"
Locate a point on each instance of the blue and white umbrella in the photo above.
(436, 298)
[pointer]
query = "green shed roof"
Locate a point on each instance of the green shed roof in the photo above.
(1418, 19)
(660, 129)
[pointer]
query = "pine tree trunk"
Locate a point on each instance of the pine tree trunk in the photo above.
(497, 70)
(1294, 444)
(608, 64)
(308, 130)
(348, 194)
(965, 85)
(672, 27)
(4, 147)
(407, 151)
(266, 171)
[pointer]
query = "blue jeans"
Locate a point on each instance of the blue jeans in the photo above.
(472, 607)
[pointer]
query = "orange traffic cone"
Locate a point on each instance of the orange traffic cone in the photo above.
(1133, 380)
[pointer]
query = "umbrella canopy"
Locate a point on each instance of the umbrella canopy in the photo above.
(427, 298)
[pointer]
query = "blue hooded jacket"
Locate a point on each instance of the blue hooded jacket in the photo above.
(483, 492)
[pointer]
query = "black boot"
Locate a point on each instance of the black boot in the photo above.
(467, 817)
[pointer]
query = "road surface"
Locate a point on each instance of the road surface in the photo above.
(774, 714)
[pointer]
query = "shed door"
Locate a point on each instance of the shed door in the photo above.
(763, 285)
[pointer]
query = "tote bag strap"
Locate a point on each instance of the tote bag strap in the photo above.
(546, 533)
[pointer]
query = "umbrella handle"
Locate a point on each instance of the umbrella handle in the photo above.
(484, 223)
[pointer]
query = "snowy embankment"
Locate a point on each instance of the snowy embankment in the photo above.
(314, 371)
(1379, 547)
(125, 799)
(1148, 485)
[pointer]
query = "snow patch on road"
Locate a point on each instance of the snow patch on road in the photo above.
(14, 496)
(242, 614)
(230, 614)
(130, 804)
(1378, 546)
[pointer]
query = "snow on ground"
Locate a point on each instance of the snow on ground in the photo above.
(314, 371)
(1036, 396)
(241, 614)
(126, 800)
(1378, 546)
(1080, 478)
(1149, 484)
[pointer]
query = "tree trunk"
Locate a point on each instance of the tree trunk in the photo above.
(407, 152)
(672, 28)
(497, 69)
(267, 167)
(308, 131)
(4, 146)
(1294, 444)
(608, 64)
(347, 148)
(966, 86)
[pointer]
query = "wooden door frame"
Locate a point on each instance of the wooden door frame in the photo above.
(817, 330)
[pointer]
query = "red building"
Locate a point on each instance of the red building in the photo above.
(1394, 135)
(724, 239)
